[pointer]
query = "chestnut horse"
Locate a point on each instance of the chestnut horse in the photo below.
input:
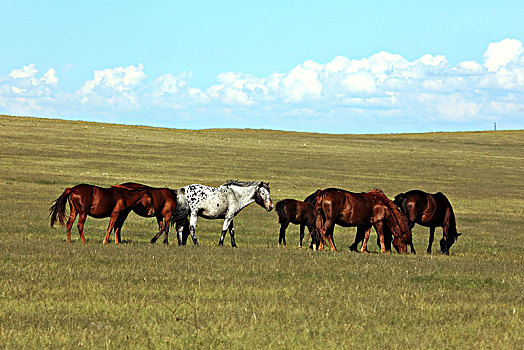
(170, 207)
(295, 212)
(98, 202)
(430, 210)
(363, 210)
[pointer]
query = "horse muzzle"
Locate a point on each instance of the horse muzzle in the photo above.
(269, 206)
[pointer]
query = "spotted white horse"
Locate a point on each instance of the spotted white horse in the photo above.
(224, 202)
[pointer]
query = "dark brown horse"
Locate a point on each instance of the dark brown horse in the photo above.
(363, 210)
(98, 202)
(309, 200)
(169, 206)
(430, 210)
(295, 212)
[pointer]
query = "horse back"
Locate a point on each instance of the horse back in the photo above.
(163, 197)
(104, 200)
(294, 211)
(364, 206)
(341, 207)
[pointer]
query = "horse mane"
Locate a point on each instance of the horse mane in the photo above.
(139, 188)
(400, 218)
(312, 197)
(245, 183)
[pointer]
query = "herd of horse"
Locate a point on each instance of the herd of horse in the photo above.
(319, 212)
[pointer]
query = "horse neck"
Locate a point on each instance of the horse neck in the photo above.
(243, 195)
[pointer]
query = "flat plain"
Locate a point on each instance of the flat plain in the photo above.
(55, 294)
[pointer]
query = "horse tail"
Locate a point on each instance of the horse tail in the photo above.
(57, 210)
(182, 206)
(281, 211)
(452, 224)
(318, 211)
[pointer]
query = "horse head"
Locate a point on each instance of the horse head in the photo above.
(262, 197)
(447, 242)
(400, 245)
(146, 201)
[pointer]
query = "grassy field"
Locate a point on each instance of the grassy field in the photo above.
(55, 294)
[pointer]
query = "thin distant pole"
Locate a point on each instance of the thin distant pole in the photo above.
(495, 126)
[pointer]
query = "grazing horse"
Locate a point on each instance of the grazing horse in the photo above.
(430, 210)
(99, 202)
(170, 206)
(363, 210)
(224, 202)
(295, 212)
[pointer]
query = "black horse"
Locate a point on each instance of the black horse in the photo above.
(430, 210)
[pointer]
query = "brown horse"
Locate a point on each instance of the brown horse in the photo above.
(295, 212)
(430, 210)
(169, 206)
(309, 200)
(363, 210)
(98, 202)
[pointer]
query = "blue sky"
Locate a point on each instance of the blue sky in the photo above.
(320, 66)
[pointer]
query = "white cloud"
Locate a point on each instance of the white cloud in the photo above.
(360, 82)
(469, 68)
(113, 88)
(24, 73)
(381, 85)
(17, 90)
(302, 82)
(120, 79)
(168, 84)
(500, 54)
(50, 77)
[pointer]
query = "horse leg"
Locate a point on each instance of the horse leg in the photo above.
(159, 220)
(232, 234)
(114, 217)
(431, 237)
(167, 220)
(302, 226)
(282, 235)
(225, 227)
(192, 227)
(80, 225)
(364, 248)
(72, 217)
(359, 237)
(179, 232)
(324, 232)
(118, 226)
(330, 238)
(182, 229)
(380, 232)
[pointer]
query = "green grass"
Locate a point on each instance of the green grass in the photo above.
(59, 295)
